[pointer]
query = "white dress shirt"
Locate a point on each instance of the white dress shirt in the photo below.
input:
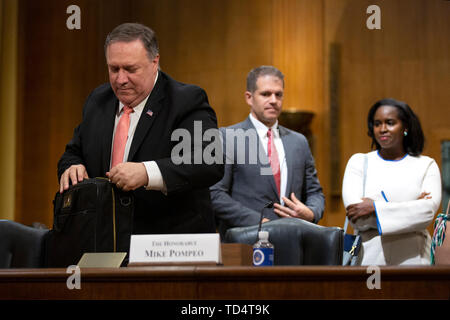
(262, 129)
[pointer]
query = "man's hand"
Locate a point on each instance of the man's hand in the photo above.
(358, 210)
(75, 173)
(424, 195)
(128, 176)
(294, 208)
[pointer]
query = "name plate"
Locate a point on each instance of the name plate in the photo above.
(101, 259)
(163, 249)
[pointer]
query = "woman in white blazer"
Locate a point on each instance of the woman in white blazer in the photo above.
(402, 189)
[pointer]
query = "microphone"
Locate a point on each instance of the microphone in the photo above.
(267, 205)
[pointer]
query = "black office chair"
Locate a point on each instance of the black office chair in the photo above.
(21, 246)
(296, 242)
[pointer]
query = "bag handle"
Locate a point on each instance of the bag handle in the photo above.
(364, 189)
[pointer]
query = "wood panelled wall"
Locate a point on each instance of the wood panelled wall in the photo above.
(8, 101)
(214, 44)
(407, 59)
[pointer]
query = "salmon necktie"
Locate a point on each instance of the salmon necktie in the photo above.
(273, 159)
(121, 136)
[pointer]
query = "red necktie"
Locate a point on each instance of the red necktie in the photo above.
(121, 136)
(273, 159)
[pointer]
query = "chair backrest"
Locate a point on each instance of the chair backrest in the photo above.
(21, 246)
(296, 242)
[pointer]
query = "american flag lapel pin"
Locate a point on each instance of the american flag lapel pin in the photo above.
(150, 113)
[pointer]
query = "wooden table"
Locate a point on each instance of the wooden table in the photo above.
(225, 283)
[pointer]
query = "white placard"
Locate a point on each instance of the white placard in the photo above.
(175, 248)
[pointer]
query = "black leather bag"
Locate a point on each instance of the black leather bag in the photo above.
(91, 216)
(352, 245)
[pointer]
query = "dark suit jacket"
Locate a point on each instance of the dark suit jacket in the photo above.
(187, 206)
(240, 196)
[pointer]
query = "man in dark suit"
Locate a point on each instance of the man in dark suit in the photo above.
(135, 152)
(265, 163)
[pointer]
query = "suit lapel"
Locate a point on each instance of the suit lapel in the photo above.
(108, 130)
(265, 164)
(289, 155)
(149, 114)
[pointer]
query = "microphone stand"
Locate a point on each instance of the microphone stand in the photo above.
(267, 205)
